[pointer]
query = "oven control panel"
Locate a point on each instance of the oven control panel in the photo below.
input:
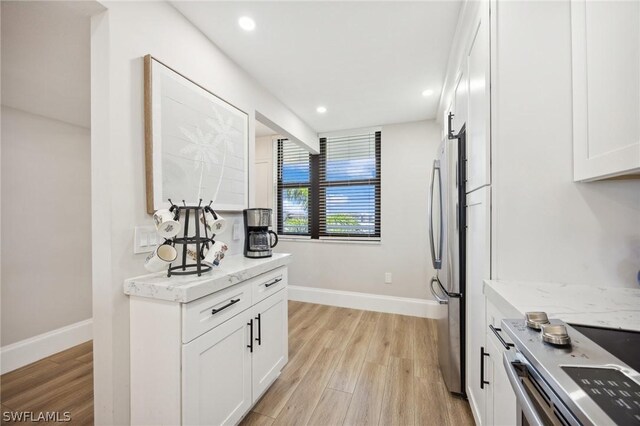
(615, 393)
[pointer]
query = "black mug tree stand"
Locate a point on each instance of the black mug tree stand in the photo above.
(199, 211)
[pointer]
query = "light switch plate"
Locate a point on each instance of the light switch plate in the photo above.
(236, 231)
(145, 239)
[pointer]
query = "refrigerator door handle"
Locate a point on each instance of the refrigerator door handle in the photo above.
(436, 259)
(444, 290)
(439, 299)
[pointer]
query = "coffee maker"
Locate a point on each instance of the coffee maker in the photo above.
(258, 240)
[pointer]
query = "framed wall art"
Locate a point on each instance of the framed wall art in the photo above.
(196, 144)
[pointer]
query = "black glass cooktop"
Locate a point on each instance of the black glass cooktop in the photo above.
(624, 345)
(615, 393)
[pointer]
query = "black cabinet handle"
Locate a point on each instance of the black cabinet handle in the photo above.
(250, 345)
(233, 302)
(482, 380)
(276, 281)
(259, 338)
(496, 332)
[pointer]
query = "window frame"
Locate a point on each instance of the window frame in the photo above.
(317, 189)
(324, 184)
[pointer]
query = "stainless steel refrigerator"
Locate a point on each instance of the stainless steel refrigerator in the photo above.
(447, 217)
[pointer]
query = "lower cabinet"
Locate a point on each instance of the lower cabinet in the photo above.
(216, 370)
(270, 349)
(208, 362)
(500, 400)
(228, 368)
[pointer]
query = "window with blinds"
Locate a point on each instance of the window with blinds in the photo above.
(294, 183)
(349, 186)
(333, 194)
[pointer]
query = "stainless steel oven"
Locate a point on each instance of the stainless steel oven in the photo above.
(537, 404)
(562, 377)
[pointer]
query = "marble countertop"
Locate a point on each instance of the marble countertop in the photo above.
(186, 288)
(609, 307)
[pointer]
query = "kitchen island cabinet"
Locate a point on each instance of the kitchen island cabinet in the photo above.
(207, 360)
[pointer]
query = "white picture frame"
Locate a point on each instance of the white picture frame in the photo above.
(196, 144)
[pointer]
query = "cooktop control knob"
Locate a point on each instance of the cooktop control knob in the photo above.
(556, 334)
(536, 320)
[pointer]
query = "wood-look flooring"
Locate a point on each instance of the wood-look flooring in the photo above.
(57, 384)
(352, 367)
(346, 366)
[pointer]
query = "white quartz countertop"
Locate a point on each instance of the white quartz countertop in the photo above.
(186, 288)
(608, 307)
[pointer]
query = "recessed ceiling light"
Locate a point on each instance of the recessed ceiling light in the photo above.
(427, 92)
(247, 23)
(321, 109)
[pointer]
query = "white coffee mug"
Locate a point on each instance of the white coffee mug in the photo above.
(166, 223)
(215, 253)
(215, 223)
(160, 258)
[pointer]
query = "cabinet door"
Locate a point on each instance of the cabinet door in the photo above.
(216, 374)
(270, 341)
(478, 269)
(478, 129)
(605, 40)
(502, 397)
(461, 101)
(490, 361)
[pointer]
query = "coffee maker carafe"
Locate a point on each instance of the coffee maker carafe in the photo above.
(258, 240)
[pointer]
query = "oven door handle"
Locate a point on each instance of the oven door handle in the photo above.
(524, 402)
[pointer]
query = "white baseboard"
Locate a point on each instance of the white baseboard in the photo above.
(370, 302)
(26, 351)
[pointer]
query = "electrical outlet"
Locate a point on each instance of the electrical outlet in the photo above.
(145, 239)
(387, 278)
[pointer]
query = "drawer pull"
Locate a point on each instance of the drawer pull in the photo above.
(496, 332)
(233, 302)
(276, 281)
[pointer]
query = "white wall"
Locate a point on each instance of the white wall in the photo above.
(46, 225)
(407, 152)
(263, 182)
(545, 226)
(121, 36)
(45, 175)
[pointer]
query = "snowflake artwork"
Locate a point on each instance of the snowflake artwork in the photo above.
(199, 144)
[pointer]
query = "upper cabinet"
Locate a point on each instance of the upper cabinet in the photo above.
(606, 89)
(478, 114)
(461, 102)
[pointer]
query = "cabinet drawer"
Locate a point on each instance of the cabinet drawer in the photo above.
(208, 312)
(267, 284)
(494, 319)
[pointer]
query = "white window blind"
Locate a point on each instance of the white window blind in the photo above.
(294, 181)
(349, 186)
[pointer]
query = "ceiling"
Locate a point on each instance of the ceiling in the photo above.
(46, 58)
(366, 62)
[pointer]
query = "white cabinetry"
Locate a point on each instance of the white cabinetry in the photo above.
(216, 369)
(461, 103)
(478, 115)
(606, 89)
(208, 361)
(500, 402)
(478, 269)
(270, 344)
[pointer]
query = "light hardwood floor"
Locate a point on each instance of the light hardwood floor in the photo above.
(354, 367)
(346, 366)
(60, 383)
